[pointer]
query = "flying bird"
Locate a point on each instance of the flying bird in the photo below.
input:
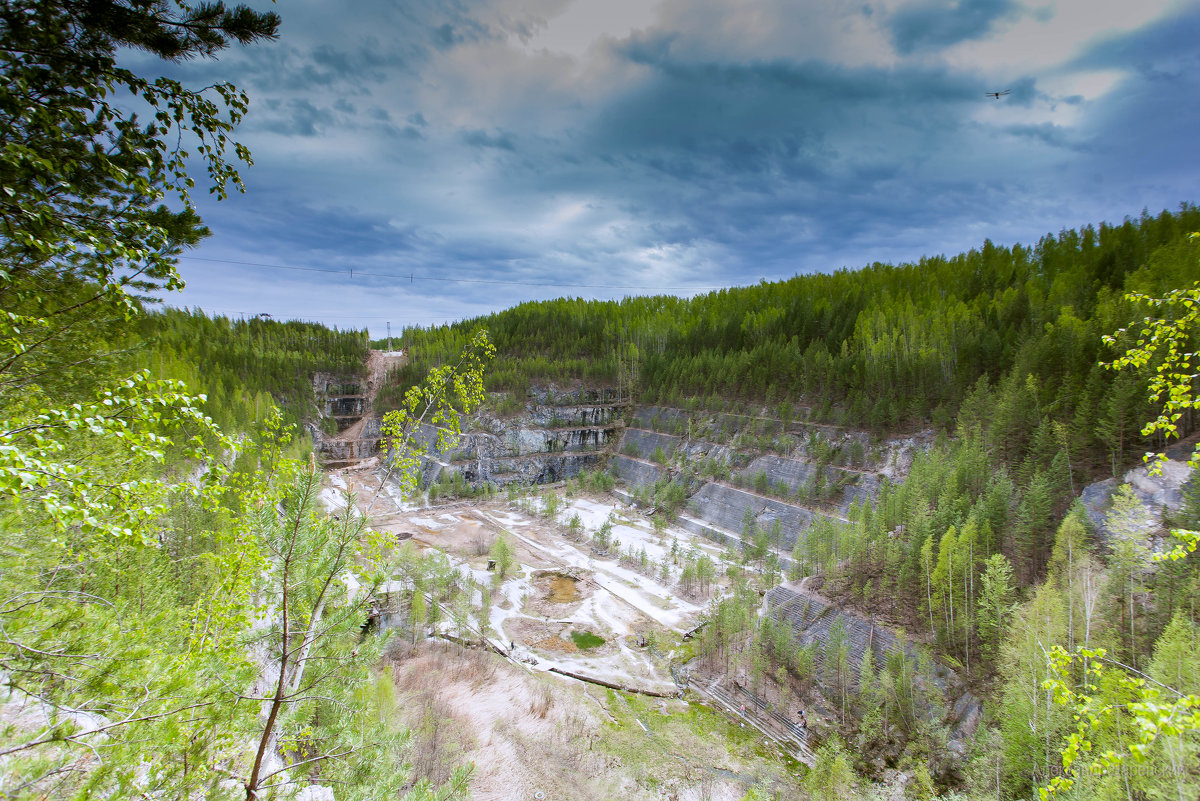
(997, 95)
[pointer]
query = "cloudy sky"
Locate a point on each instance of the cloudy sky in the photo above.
(465, 155)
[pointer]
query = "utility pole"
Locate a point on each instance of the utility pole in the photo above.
(389, 336)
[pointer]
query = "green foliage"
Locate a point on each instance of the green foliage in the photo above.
(81, 227)
(885, 345)
(430, 418)
(232, 362)
(151, 559)
(1126, 716)
(60, 459)
(832, 777)
(451, 484)
(504, 557)
(1166, 341)
(995, 603)
(1151, 715)
(598, 481)
(586, 640)
(602, 538)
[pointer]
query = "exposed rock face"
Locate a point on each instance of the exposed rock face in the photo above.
(647, 442)
(552, 439)
(897, 454)
(811, 617)
(726, 507)
(637, 472)
(340, 397)
(348, 400)
(1158, 494)
(348, 449)
(498, 438)
(718, 510)
(795, 474)
(792, 473)
(551, 395)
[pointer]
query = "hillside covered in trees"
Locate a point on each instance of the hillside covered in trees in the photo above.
(190, 608)
(980, 551)
(245, 367)
(885, 347)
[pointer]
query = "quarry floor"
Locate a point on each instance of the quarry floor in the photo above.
(559, 587)
(538, 735)
(478, 706)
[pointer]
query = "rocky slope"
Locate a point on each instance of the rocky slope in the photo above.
(557, 435)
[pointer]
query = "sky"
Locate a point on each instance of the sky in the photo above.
(420, 162)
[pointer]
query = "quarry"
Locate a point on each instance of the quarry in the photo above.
(590, 628)
(732, 401)
(616, 623)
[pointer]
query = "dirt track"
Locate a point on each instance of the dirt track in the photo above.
(379, 363)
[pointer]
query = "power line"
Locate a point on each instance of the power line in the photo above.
(351, 272)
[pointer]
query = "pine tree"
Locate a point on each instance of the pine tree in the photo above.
(995, 604)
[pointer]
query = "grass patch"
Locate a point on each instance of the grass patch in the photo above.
(585, 639)
(714, 748)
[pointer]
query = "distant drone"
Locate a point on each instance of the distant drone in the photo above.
(998, 95)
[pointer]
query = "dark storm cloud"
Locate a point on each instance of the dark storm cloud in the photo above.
(498, 141)
(442, 138)
(699, 107)
(296, 118)
(1145, 131)
(774, 159)
(941, 23)
(1164, 49)
(307, 229)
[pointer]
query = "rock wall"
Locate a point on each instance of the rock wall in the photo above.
(726, 507)
(533, 469)
(811, 618)
(717, 510)
(345, 399)
(1157, 495)
(545, 443)
(552, 395)
(349, 449)
(637, 472)
(555, 417)
(520, 437)
(661, 418)
(793, 473)
(646, 442)
(796, 473)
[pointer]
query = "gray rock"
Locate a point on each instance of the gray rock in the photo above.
(636, 472)
(811, 619)
(1157, 494)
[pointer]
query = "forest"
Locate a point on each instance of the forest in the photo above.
(160, 547)
(238, 364)
(982, 550)
(884, 346)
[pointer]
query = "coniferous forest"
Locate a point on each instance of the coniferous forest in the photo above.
(982, 548)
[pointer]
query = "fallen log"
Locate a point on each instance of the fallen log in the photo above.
(488, 644)
(610, 685)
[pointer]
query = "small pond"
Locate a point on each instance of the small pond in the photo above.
(563, 589)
